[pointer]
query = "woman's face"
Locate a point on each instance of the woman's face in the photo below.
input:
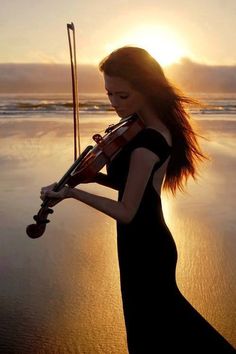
(124, 99)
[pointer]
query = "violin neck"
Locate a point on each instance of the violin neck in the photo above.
(67, 175)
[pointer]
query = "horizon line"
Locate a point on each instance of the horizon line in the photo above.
(181, 61)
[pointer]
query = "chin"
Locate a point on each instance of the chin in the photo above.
(123, 115)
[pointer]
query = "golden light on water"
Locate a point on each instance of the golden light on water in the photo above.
(83, 307)
(162, 43)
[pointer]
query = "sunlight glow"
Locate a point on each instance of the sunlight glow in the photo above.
(160, 42)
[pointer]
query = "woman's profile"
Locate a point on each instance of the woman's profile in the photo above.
(162, 156)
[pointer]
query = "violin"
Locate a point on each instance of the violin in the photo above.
(89, 163)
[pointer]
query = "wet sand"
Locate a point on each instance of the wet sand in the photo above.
(60, 293)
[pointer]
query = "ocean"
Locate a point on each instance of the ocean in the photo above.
(60, 293)
(62, 104)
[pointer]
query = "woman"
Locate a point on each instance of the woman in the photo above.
(163, 155)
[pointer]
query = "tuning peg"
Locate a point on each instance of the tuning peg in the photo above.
(97, 138)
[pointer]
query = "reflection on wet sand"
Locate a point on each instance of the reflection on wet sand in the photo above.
(60, 293)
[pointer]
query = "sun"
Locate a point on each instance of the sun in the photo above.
(162, 43)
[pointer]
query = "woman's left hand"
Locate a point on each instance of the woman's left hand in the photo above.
(55, 197)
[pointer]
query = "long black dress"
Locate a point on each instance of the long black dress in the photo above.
(158, 318)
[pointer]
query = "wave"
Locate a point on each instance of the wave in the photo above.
(52, 107)
(18, 105)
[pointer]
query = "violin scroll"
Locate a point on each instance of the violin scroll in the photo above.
(38, 229)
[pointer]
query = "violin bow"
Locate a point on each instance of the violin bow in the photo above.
(74, 76)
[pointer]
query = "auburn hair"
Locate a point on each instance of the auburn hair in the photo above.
(145, 75)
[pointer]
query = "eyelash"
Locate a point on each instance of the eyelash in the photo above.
(122, 97)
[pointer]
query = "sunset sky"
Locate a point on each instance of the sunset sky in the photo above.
(35, 31)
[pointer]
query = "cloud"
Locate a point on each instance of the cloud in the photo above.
(43, 78)
(195, 77)
(56, 78)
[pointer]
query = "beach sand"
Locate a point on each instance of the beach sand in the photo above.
(60, 293)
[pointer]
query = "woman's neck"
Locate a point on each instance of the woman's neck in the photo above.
(150, 118)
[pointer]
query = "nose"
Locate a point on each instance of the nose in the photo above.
(114, 102)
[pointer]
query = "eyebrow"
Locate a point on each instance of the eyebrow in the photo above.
(117, 92)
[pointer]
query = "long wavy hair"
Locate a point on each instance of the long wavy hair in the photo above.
(144, 74)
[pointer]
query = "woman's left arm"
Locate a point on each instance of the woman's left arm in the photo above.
(141, 165)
